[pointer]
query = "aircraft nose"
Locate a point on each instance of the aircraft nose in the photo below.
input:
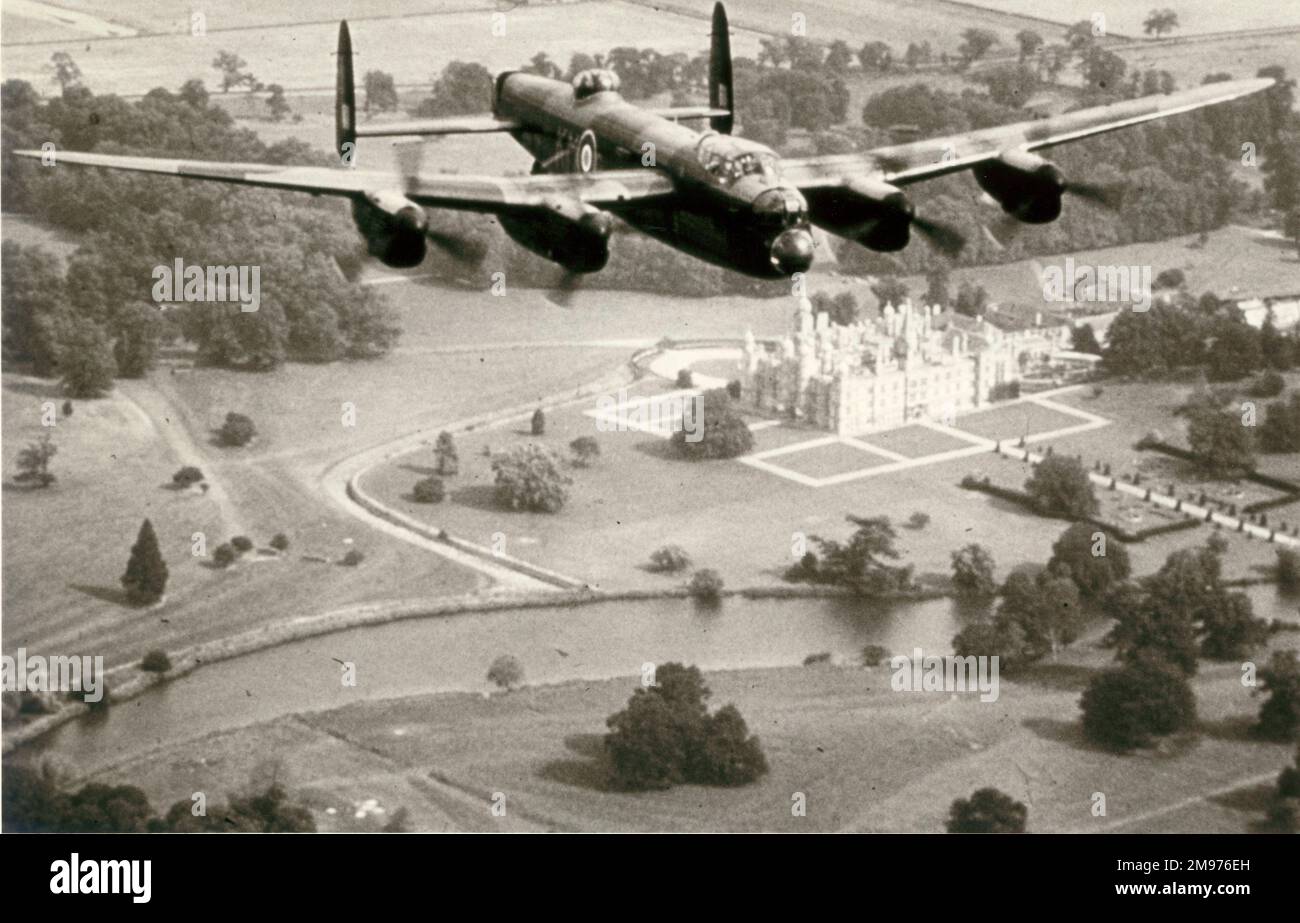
(792, 251)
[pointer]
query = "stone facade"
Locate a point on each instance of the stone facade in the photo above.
(908, 364)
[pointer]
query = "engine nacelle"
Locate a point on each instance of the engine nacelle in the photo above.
(1025, 185)
(565, 231)
(869, 211)
(394, 228)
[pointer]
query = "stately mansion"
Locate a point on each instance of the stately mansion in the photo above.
(909, 363)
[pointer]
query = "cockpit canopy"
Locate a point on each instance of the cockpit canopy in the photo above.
(589, 82)
(728, 158)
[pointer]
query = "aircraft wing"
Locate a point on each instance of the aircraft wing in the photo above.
(492, 194)
(915, 161)
(452, 125)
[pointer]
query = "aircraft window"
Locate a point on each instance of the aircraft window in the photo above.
(590, 82)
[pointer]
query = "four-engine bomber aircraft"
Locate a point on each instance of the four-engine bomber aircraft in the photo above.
(721, 198)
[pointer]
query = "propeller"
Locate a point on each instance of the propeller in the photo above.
(945, 238)
(469, 251)
(1108, 197)
(561, 295)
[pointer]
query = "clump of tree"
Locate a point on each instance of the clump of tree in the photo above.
(670, 559)
(446, 458)
(972, 572)
(1221, 441)
(530, 477)
(585, 451)
(34, 462)
(987, 811)
(224, 555)
(237, 430)
(1281, 429)
(505, 672)
(666, 736)
(1038, 613)
(280, 542)
(1060, 486)
(429, 490)
(145, 579)
(719, 430)
(1181, 612)
(1128, 707)
(860, 563)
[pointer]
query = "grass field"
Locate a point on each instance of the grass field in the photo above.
(1195, 17)
(865, 757)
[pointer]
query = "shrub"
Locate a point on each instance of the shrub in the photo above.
(987, 811)
(156, 662)
(539, 422)
(242, 544)
(447, 459)
(1288, 569)
(733, 389)
(585, 450)
(505, 672)
(224, 555)
(1005, 391)
(918, 520)
(972, 572)
(429, 490)
(813, 659)
(1125, 708)
(352, 558)
(238, 430)
(685, 379)
(706, 585)
(280, 542)
(873, 655)
(187, 476)
(669, 559)
(34, 463)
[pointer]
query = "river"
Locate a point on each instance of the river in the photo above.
(452, 654)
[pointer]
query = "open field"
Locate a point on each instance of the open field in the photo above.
(413, 48)
(866, 758)
(1195, 17)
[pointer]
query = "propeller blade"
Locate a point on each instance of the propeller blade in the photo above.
(1109, 197)
(1002, 231)
(465, 250)
(945, 237)
(562, 294)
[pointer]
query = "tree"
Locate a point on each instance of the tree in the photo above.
(1281, 429)
(859, 564)
(446, 458)
(187, 476)
(276, 103)
(1083, 339)
(669, 559)
(542, 65)
(665, 736)
(429, 490)
(1094, 560)
(1288, 569)
(706, 585)
(1102, 70)
(1158, 22)
(1291, 226)
(1060, 486)
(725, 433)
(539, 423)
(938, 290)
(685, 379)
(34, 462)
(461, 89)
(1235, 352)
(280, 542)
(238, 430)
(1042, 610)
(380, 90)
(1229, 628)
(1279, 716)
(972, 572)
(987, 811)
(890, 290)
(1028, 42)
(231, 67)
(974, 45)
(876, 56)
(585, 450)
(66, 72)
(1221, 442)
(86, 361)
(224, 555)
(145, 579)
(1125, 708)
(505, 672)
(529, 477)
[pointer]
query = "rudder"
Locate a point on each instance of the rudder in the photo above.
(720, 88)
